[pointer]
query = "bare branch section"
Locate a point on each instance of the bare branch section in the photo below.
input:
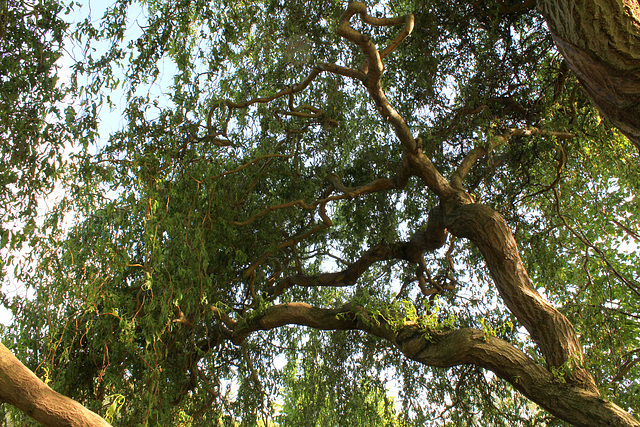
(451, 348)
(494, 142)
(23, 389)
(552, 331)
(373, 67)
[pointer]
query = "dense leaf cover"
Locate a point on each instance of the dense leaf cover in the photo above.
(31, 111)
(200, 204)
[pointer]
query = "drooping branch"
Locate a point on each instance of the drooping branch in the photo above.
(375, 186)
(633, 285)
(299, 202)
(346, 277)
(326, 223)
(447, 348)
(494, 142)
(284, 92)
(250, 163)
(287, 92)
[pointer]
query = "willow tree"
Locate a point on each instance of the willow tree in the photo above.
(309, 207)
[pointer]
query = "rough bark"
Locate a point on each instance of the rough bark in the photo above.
(570, 402)
(23, 389)
(600, 40)
(548, 327)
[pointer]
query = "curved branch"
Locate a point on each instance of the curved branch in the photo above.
(343, 71)
(452, 348)
(23, 389)
(290, 91)
(346, 277)
(364, 42)
(494, 142)
(266, 99)
(270, 209)
(335, 183)
(421, 165)
(552, 331)
(375, 186)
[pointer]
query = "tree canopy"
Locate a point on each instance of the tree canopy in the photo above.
(322, 213)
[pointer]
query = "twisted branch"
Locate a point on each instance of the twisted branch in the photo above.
(429, 239)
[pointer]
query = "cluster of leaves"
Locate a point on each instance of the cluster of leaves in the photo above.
(171, 224)
(32, 123)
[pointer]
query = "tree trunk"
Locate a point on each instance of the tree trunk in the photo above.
(551, 330)
(22, 388)
(600, 40)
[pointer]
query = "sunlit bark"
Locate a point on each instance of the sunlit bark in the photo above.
(23, 389)
(570, 402)
(600, 39)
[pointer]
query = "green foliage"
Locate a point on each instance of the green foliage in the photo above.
(168, 222)
(311, 400)
(33, 115)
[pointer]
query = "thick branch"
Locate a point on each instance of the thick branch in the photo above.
(373, 67)
(430, 238)
(548, 327)
(452, 348)
(23, 389)
(376, 186)
(346, 277)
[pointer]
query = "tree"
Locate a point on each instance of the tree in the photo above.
(30, 43)
(404, 181)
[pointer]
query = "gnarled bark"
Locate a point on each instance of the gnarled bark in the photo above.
(23, 389)
(600, 39)
(548, 327)
(573, 403)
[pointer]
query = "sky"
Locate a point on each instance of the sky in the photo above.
(111, 120)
